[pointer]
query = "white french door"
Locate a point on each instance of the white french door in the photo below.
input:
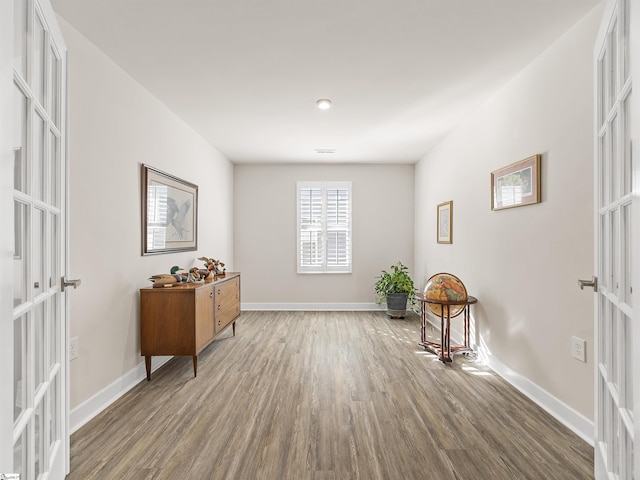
(616, 192)
(39, 366)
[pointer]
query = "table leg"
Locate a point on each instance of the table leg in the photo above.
(466, 326)
(442, 335)
(448, 335)
(147, 364)
(195, 365)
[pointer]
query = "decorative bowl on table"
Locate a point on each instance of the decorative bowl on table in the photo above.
(445, 287)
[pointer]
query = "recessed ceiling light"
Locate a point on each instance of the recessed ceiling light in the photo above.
(325, 150)
(323, 103)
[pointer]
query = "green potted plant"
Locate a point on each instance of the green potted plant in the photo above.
(396, 289)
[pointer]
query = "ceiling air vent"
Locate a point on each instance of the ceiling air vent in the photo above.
(325, 150)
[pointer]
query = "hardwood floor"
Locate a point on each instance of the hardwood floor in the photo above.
(326, 396)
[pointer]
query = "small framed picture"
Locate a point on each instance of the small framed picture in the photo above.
(445, 222)
(516, 185)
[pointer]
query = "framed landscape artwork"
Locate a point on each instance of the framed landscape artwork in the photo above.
(169, 213)
(445, 222)
(516, 185)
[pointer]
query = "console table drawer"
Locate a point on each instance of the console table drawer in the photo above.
(225, 318)
(227, 295)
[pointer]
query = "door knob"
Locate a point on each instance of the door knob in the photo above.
(70, 283)
(589, 283)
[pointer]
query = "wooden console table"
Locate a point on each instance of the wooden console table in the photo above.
(444, 349)
(184, 319)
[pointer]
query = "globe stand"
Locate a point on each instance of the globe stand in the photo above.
(444, 349)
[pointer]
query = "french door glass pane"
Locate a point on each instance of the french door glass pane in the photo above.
(627, 172)
(38, 173)
(19, 328)
(627, 252)
(53, 412)
(49, 330)
(38, 249)
(39, 461)
(602, 405)
(628, 451)
(604, 249)
(613, 64)
(602, 331)
(38, 346)
(54, 93)
(602, 98)
(606, 359)
(613, 351)
(54, 331)
(614, 445)
(613, 252)
(19, 140)
(626, 40)
(54, 168)
(39, 36)
(20, 454)
(613, 163)
(20, 37)
(54, 227)
(628, 364)
(603, 173)
(20, 259)
(608, 425)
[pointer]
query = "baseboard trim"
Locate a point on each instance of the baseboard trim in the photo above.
(572, 419)
(325, 307)
(88, 409)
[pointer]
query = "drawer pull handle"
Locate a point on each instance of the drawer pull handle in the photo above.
(211, 295)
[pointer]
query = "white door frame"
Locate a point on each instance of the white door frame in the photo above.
(611, 401)
(635, 269)
(6, 234)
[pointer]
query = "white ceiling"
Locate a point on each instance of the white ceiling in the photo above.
(246, 74)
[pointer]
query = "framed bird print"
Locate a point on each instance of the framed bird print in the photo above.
(169, 213)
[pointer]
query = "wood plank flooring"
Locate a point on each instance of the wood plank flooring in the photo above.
(325, 396)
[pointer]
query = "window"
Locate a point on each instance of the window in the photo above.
(324, 227)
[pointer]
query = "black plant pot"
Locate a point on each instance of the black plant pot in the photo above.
(396, 305)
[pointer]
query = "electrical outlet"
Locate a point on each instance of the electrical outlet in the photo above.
(578, 347)
(74, 348)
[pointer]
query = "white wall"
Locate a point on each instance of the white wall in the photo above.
(523, 263)
(265, 233)
(114, 126)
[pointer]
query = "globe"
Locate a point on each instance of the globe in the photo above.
(447, 288)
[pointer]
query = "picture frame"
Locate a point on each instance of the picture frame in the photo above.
(445, 222)
(169, 213)
(516, 185)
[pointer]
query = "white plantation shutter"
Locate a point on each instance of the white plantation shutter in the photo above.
(324, 227)
(311, 251)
